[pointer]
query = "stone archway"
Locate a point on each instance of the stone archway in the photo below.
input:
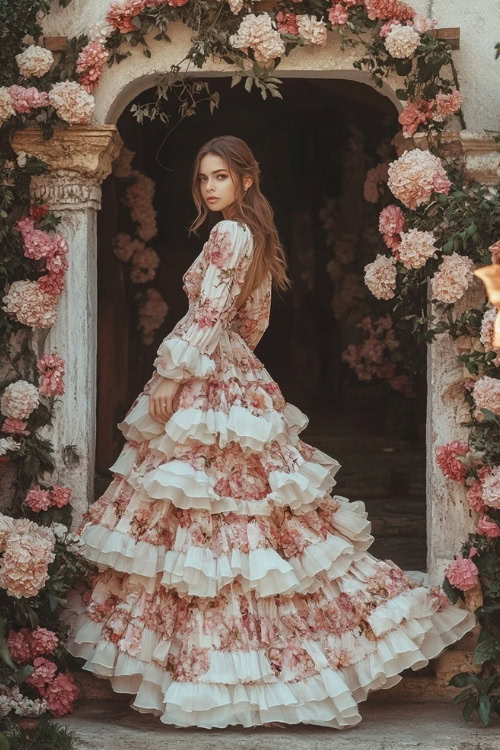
(79, 158)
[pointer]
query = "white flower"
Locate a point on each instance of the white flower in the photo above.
(100, 32)
(34, 61)
(59, 529)
(380, 277)
(7, 444)
(21, 159)
(452, 278)
(6, 105)
(312, 30)
(19, 399)
(72, 102)
(416, 247)
(235, 5)
(402, 41)
(259, 34)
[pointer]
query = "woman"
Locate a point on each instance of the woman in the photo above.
(234, 589)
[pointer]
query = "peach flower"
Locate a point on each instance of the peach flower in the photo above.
(415, 176)
(34, 61)
(19, 399)
(486, 394)
(452, 279)
(416, 247)
(380, 277)
(491, 488)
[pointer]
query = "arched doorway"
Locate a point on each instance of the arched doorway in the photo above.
(315, 147)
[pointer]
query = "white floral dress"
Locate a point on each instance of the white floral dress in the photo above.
(233, 587)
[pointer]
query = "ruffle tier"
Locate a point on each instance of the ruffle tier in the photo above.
(242, 685)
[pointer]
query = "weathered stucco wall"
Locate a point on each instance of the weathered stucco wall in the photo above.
(479, 75)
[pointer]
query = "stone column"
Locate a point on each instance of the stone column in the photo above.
(449, 520)
(79, 159)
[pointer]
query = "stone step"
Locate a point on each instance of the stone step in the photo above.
(387, 724)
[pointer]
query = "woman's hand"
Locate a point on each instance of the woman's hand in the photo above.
(161, 401)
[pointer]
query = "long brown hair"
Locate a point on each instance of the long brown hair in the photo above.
(250, 206)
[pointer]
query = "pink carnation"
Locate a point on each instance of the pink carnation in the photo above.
(15, 426)
(43, 641)
(487, 527)
(38, 499)
(44, 673)
(122, 12)
(417, 112)
(60, 496)
(26, 99)
(51, 368)
(287, 23)
(19, 647)
(446, 457)
(475, 497)
(338, 15)
(462, 573)
(60, 694)
(448, 104)
(385, 9)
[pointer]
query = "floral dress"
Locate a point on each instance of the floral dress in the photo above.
(233, 586)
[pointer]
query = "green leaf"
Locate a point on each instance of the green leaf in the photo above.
(450, 592)
(469, 707)
(460, 680)
(484, 709)
(486, 649)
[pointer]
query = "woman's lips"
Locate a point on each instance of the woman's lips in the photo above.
(212, 200)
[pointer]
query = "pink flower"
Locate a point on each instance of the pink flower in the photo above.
(44, 673)
(90, 63)
(51, 368)
(19, 400)
(287, 23)
(475, 496)
(38, 499)
(417, 112)
(60, 496)
(448, 104)
(60, 694)
(26, 557)
(176, 3)
(391, 220)
(380, 277)
(446, 457)
(19, 647)
(386, 28)
(39, 211)
(43, 641)
(487, 527)
(491, 488)
(374, 181)
(122, 12)
(338, 15)
(415, 176)
(416, 248)
(486, 394)
(72, 102)
(385, 9)
(452, 279)
(30, 304)
(27, 99)
(51, 284)
(495, 252)
(312, 29)
(462, 573)
(15, 426)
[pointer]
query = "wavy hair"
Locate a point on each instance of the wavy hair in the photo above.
(251, 207)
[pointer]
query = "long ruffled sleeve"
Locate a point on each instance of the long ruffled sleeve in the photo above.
(185, 352)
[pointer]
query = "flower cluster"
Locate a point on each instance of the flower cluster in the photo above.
(375, 179)
(402, 41)
(416, 247)
(145, 261)
(380, 277)
(26, 644)
(391, 223)
(152, 314)
(422, 111)
(39, 499)
(452, 279)
(90, 63)
(312, 30)
(51, 369)
(259, 34)
(139, 198)
(11, 699)
(415, 176)
(34, 61)
(462, 573)
(389, 9)
(448, 460)
(19, 399)
(72, 102)
(27, 549)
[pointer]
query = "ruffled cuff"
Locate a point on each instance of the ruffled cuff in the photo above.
(178, 360)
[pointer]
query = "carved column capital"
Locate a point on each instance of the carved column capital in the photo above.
(64, 189)
(479, 152)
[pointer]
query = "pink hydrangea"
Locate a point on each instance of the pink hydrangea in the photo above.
(311, 29)
(287, 23)
(57, 261)
(462, 573)
(60, 694)
(491, 488)
(26, 99)
(30, 304)
(122, 12)
(386, 28)
(38, 499)
(19, 399)
(60, 496)
(486, 394)
(495, 252)
(417, 112)
(380, 277)
(391, 221)
(258, 33)
(488, 333)
(385, 9)
(51, 284)
(90, 63)
(43, 641)
(447, 460)
(44, 673)
(51, 369)
(34, 61)
(448, 104)
(475, 497)
(37, 244)
(15, 426)
(422, 24)
(72, 102)
(416, 247)
(338, 14)
(452, 279)
(487, 527)
(19, 646)
(415, 176)
(26, 558)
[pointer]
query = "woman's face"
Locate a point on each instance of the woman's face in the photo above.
(216, 184)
